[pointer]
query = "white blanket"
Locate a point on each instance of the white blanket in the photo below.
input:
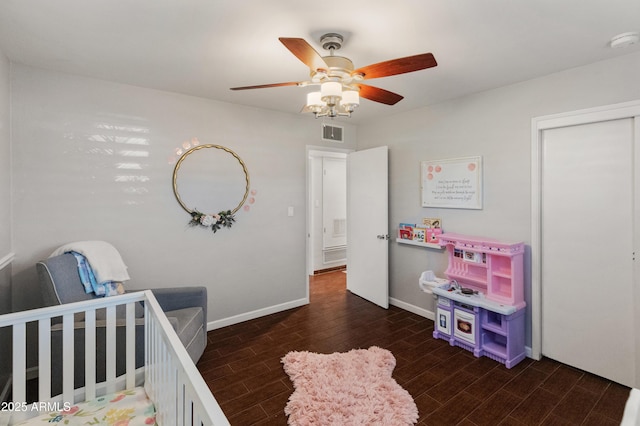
(105, 260)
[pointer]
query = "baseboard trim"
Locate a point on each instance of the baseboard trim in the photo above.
(528, 353)
(213, 325)
(332, 269)
(412, 308)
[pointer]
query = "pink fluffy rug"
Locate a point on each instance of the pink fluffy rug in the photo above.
(353, 388)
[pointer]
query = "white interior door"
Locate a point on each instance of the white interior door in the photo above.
(368, 219)
(587, 248)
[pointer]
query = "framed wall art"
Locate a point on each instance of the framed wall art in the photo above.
(452, 183)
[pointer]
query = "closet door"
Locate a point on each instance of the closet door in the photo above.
(587, 209)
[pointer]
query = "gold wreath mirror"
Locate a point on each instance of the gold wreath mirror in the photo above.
(214, 181)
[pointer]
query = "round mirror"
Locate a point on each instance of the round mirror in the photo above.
(209, 179)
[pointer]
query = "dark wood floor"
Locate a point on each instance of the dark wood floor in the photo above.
(449, 385)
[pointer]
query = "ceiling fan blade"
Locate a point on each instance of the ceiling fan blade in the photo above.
(379, 95)
(397, 66)
(265, 86)
(303, 51)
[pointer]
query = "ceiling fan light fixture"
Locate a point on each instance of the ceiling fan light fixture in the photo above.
(314, 102)
(313, 98)
(350, 98)
(332, 101)
(331, 92)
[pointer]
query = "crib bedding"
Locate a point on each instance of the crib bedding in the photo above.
(124, 408)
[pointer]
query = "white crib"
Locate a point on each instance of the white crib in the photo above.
(171, 380)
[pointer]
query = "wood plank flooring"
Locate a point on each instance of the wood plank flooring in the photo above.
(241, 365)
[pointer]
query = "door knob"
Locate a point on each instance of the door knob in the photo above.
(383, 237)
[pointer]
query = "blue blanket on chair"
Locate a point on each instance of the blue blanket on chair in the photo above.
(91, 284)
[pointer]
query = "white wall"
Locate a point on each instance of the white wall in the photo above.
(5, 184)
(5, 208)
(71, 133)
(5, 159)
(496, 125)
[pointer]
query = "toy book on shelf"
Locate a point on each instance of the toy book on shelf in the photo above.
(433, 235)
(405, 231)
(420, 234)
(428, 232)
(432, 222)
(434, 229)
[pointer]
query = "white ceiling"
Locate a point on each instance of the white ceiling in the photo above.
(204, 47)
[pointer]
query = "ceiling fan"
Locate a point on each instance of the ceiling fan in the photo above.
(340, 82)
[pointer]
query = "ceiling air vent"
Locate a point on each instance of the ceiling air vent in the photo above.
(332, 133)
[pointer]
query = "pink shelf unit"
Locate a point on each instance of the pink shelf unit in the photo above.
(489, 266)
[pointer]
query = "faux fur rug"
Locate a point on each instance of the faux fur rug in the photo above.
(352, 388)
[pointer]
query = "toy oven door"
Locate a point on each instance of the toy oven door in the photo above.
(464, 326)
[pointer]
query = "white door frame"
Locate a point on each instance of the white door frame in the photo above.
(309, 203)
(538, 125)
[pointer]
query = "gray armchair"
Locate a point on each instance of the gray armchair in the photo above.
(185, 307)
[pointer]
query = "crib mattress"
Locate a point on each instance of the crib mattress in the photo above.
(127, 407)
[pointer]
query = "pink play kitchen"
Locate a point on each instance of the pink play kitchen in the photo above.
(481, 308)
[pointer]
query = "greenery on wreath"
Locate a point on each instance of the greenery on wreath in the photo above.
(224, 219)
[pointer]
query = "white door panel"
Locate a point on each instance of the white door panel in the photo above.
(587, 248)
(367, 216)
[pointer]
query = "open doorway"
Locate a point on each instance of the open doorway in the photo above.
(326, 210)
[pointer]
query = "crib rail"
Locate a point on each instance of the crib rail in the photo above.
(171, 378)
(41, 320)
(172, 382)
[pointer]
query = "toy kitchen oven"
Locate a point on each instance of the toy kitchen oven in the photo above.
(482, 307)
